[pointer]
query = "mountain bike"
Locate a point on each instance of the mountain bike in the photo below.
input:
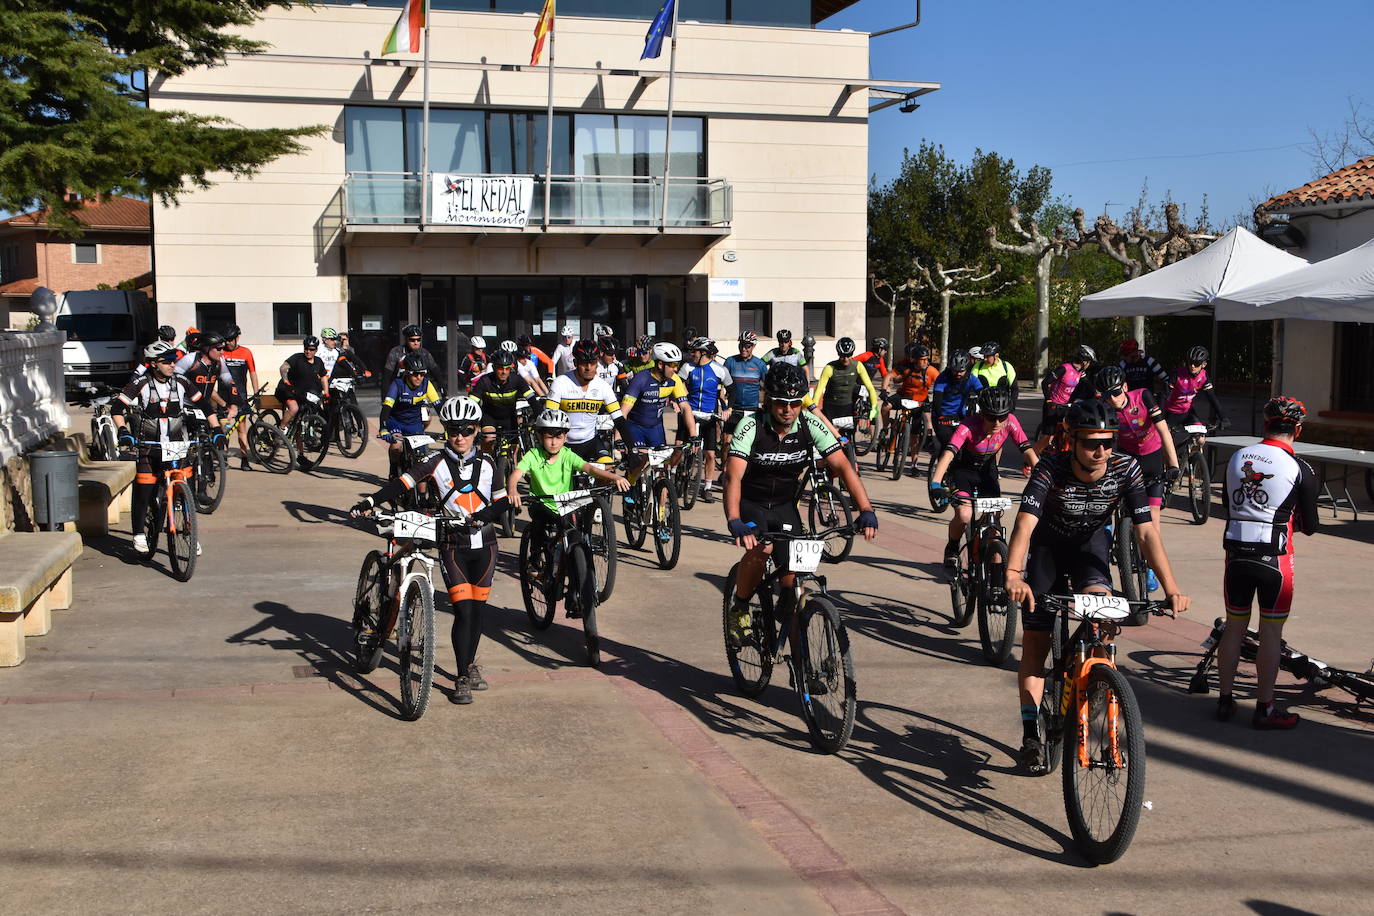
(1359, 684)
(1133, 572)
(803, 617)
(346, 418)
(652, 505)
(508, 449)
(563, 569)
(865, 429)
(395, 594)
(173, 509)
(414, 448)
(1090, 718)
(827, 507)
(309, 432)
(894, 442)
(104, 444)
(267, 444)
(691, 470)
(978, 583)
(208, 458)
(1195, 478)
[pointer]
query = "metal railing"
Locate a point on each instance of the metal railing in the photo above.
(593, 201)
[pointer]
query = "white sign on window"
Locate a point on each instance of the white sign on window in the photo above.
(727, 289)
(481, 200)
(372, 322)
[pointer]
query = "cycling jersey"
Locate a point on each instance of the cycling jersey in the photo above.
(748, 376)
(839, 385)
(705, 385)
(562, 358)
(612, 373)
(972, 444)
(550, 476)
(393, 361)
(405, 406)
(874, 363)
(1144, 372)
(499, 399)
(914, 381)
(1186, 387)
(955, 397)
(648, 396)
(160, 404)
(1135, 424)
(463, 484)
(239, 361)
(303, 374)
(329, 356)
(776, 462)
(1060, 382)
(539, 361)
(582, 405)
(793, 356)
(1001, 374)
(1270, 492)
(470, 368)
(204, 376)
(1072, 510)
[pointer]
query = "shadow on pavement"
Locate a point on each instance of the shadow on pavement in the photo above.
(311, 514)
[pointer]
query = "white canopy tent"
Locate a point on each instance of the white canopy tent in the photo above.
(1341, 288)
(1236, 260)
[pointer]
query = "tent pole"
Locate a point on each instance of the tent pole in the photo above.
(1253, 380)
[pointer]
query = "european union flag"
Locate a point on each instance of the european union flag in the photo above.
(661, 26)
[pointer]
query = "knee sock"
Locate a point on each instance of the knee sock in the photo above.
(467, 630)
(1030, 721)
(142, 498)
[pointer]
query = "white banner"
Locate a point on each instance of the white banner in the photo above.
(726, 289)
(481, 200)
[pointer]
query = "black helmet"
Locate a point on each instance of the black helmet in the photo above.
(525, 340)
(1091, 414)
(608, 344)
(310, 343)
(991, 348)
(209, 342)
(916, 351)
(502, 359)
(784, 336)
(232, 331)
(414, 362)
(879, 343)
(1110, 379)
(689, 333)
(1285, 408)
(1084, 354)
(845, 346)
(785, 381)
(1198, 355)
(995, 401)
(410, 330)
(584, 351)
(193, 341)
(167, 333)
(960, 361)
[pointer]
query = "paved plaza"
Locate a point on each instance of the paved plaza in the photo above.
(205, 747)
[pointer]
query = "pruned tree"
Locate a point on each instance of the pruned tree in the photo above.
(1042, 249)
(890, 293)
(951, 282)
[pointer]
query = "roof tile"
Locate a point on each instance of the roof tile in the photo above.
(1355, 182)
(110, 213)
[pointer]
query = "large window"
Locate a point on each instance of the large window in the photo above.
(291, 319)
(1354, 384)
(215, 316)
(818, 319)
(756, 317)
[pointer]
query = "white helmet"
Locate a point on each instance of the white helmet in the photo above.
(567, 331)
(479, 343)
(667, 352)
(509, 346)
(552, 418)
(460, 410)
(156, 349)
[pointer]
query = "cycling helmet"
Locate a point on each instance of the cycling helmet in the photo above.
(689, 333)
(699, 343)
(209, 342)
(1110, 380)
(232, 331)
(644, 343)
(991, 348)
(460, 410)
(552, 418)
(1198, 355)
(916, 351)
(1084, 354)
(785, 381)
(845, 346)
(607, 344)
(1091, 415)
(1285, 408)
(975, 352)
(157, 348)
(584, 351)
(502, 359)
(508, 346)
(995, 402)
(166, 356)
(712, 348)
(167, 333)
(414, 362)
(479, 343)
(808, 342)
(525, 340)
(784, 336)
(567, 331)
(879, 343)
(410, 330)
(959, 361)
(310, 343)
(748, 338)
(329, 334)
(193, 340)
(667, 353)
(1130, 345)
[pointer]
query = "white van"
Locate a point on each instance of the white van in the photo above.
(105, 332)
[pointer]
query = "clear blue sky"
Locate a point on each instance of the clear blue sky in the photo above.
(1068, 84)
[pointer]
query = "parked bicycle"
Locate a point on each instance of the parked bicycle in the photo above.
(1195, 478)
(1317, 673)
(978, 582)
(267, 444)
(819, 663)
(651, 506)
(346, 418)
(173, 509)
(104, 444)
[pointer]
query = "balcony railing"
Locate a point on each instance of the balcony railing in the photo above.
(590, 201)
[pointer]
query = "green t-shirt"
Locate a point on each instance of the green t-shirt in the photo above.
(550, 477)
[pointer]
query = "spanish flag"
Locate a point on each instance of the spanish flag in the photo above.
(404, 37)
(542, 28)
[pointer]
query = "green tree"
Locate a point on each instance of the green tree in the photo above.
(73, 119)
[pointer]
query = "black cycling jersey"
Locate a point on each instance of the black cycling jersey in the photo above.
(776, 462)
(1145, 372)
(1072, 510)
(304, 373)
(499, 399)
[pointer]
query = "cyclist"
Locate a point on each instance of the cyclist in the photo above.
(784, 352)
(747, 371)
(462, 481)
(875, 359)
(332, 351)
(208, 374)
(473, 364)
(404, 406)
(158, 398)
(500, 392)
(971, 457)
(1190, 382)
(992, 370)
(1058, 387)
(150, 355)
(302, 373)
(648, 396)
(583, 396)
(413, 342)
(838, 387)
(239, 360)
(708, 389)
(640, 356)
(911, 378)
(356, 361)
(1061, 531)
(1142, 370)
(562, 358)
(609, 369)
(1272, 493)
(538, 360)
(768, 454)
(168, 335)
(951, 398)
(1141, 433)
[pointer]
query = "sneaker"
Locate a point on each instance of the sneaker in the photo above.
(475, 679)
(462, 692)
(198, 547)
(741, 623)
(141, 543)
(1226, 708)
(243, 462)
(1274, 718)
(1032, 755)
(664, 535)
(1151, 581)
(951, 557)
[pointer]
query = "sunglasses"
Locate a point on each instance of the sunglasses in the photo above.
(1097, 445)
(1112, 392)
(412, 340)
(311, 349)
(462, 430)
(788, 402)
(997, 418)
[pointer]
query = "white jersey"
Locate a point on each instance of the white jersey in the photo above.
(329, 357)
(609, 373)
(562, 359)
(582, 405)
(1267, 489)
(528, 368)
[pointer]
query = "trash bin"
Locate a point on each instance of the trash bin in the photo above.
(55, 498)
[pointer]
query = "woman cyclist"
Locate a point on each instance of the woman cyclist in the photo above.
(1190, 382)
(1141, 432)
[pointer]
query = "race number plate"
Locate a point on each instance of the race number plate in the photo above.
(173, 450)
(572, 500)
(195, 413)
(843, 422)
(415, 526)
(419, 441)
(805, 556)
(1195, 429)
(312, 397)
(1101, 607)
(909, 404)
(657, 456)
(991, 505)
(341, 384)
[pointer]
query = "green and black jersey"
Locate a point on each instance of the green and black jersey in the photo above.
(776, 462)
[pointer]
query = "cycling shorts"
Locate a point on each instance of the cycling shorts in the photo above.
(944, 429)
(964, 479)
(1266, 577)
(594, 449)
(1086, 563)
(392, 425)
(1177, 421)
(709, 430)
(784, 517)
(468, 571)
(647, 436)
(1050, 415)
(1152, 466)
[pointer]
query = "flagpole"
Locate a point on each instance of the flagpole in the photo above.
(424, 131)
(548, 127)
(668, 125)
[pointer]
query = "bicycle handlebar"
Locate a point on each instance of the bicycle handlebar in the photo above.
(1148, 605)
(823, 535)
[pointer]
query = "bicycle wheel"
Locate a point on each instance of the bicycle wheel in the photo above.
(581, 592)
(961, 588)
(415, 644)
(311, 438)
(883, 456)
(506, 527)
(863, 437)
(212, 470)
(181, 538)
(1102, 796)
(602, 541)
(689, 479)
(534, 587)
(901, 447)
(827, 508)
(369, 599)
(1051, 718)
(826, 683)
(270, 416)
(667, 525)
(352, 432)
(1126, 556)
(750, 659)
(997, 615)
(270, 448)
(1199, 488)
(632, 513)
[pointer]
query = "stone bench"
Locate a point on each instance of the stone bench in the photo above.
(35, 580)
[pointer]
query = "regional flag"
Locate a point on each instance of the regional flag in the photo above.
(404, 37)
(542, 28)
(661, 26)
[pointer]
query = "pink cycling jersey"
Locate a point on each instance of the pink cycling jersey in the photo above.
(973, 444)
(1186, 387)
(1061, 389)
(1135, 432)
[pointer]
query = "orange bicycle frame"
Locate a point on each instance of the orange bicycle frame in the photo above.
(1079, 683)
